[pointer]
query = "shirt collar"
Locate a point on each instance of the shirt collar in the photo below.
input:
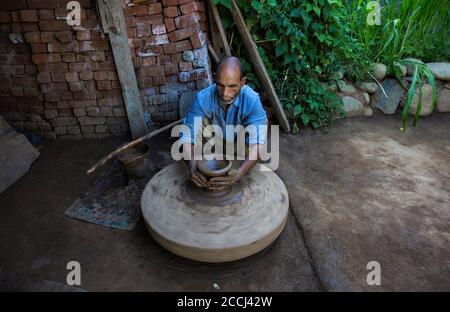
(238, 98)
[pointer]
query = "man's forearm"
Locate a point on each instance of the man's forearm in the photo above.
(250, 161)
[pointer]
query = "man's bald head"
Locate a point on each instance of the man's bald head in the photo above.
(229, 78)
(230, 63)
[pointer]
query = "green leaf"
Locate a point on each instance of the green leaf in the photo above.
(256, 5)
(297, 109)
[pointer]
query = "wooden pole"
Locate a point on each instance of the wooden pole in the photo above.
(123, 147)
(258, 66)
(111, 14)
(219, 25)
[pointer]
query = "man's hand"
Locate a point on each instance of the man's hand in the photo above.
(196, 177)
(221, 183)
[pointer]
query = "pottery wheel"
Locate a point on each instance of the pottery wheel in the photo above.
(214, 227)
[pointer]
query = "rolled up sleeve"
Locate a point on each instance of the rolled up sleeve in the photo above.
(256, 123)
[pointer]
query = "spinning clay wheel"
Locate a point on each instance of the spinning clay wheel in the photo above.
(214, 226)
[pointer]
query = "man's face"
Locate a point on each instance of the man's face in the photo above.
(228, 83)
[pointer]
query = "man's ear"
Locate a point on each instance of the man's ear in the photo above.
(243, 81)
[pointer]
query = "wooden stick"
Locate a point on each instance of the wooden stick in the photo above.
(219, 25)
(213, 53)
(258, 65)
(131, 144)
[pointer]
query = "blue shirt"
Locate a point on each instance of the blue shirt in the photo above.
(246, 110)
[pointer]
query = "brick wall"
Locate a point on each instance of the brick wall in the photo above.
(61, 82)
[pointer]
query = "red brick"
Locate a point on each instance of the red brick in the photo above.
(108, 65)
(53, 67)
(170, 24)
(71, 77)
(171, 69)
(47, 37)
(83, 35)
(110, 102)
(86, 46)
(170, 2)
(82, 103)
(144, 30)
(198, 40)
(150, 19)
(154, 8)
(189, 7)
(82, 66)
(171, 11)
(43, 78)
(176, 58)
(185, 1)
(63, 36)
(159, 29)
(158, 39)
(201, 6)
(93, 111)
(79, 112)
(97, 56)
(149, 61)
(101, 45)
(106, 112)
(104, 85)
(16, 27)
(46, 15)
(140, 10)
(115, 84)
(130, 22)
(86, 75)
(42, 4)
(87, 129)
(53, 25)
(32, 37)
(152, 71)
(68, 57)
(131, 32)
(87, 121)
(63, 47)
(58, 77)
(29, 15)
(186, 20)
(46, 58)
(163, 60)
(184, 33)
(30, 27)
(83, 57)
(112, 75)
(100, 75)
(185, 66)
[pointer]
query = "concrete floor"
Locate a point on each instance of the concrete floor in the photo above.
(359, 191)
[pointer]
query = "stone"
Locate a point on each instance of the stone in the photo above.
(378, 70)
(188, 56)
(402, 68)
(443, 100)
(16, 155)
(394, 92)
(440, 70)
(346, 88)
(366, 98)
(367, 111)
(352, 106)
(409, 66)
(427, 94)
(369, 87)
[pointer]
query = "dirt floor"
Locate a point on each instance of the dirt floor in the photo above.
(359, 191)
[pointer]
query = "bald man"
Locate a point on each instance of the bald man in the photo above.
(227, 102)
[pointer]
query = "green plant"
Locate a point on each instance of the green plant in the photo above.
(302, 43)
(421, 74)
(409, 28)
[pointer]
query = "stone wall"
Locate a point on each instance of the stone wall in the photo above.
(61, 81)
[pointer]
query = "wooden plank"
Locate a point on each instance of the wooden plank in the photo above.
(258, 66)
(218, 22)
(111, 13)
(216, 41)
